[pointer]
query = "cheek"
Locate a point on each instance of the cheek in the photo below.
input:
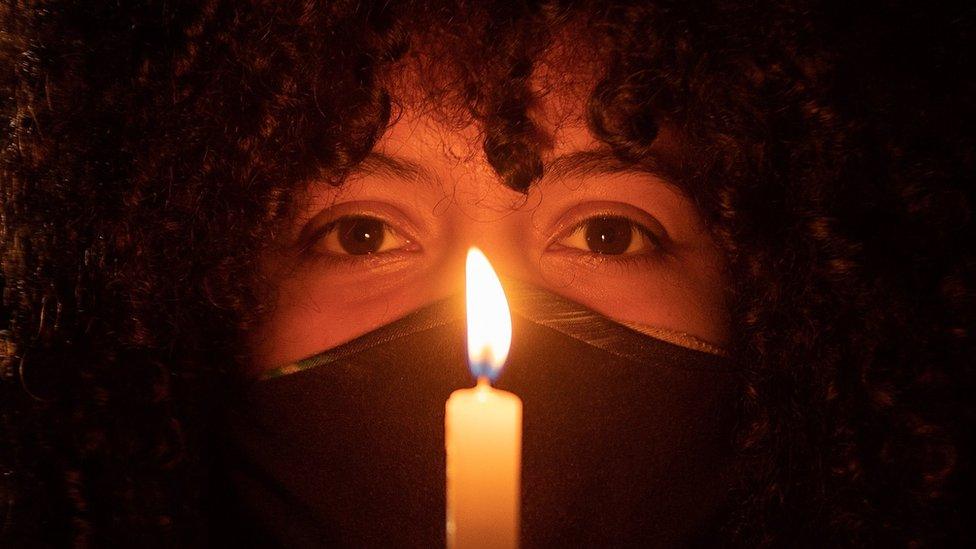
(313, 311)
(683, 292)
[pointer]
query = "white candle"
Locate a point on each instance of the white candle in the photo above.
(483, 426)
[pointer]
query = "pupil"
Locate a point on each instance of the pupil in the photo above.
(608, 235)
(360, 235)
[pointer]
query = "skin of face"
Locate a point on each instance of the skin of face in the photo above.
(429, 183)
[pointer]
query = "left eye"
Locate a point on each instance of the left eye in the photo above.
(360, 235)
(609, 235)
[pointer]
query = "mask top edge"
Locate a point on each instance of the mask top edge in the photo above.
(680, 339)
(536, 305)
(428, 318)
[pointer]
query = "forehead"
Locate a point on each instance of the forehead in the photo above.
(425, 155)
(454, 138)
(433, 112)
(457, 144)
(434, 138)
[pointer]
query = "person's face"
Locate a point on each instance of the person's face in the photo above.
(393, 238)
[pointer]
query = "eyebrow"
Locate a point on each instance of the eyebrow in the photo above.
(576, 164)
(587, 163)
(377, 163)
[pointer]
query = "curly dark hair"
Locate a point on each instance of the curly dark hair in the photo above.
(152, 149)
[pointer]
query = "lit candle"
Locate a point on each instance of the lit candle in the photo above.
(484, 425)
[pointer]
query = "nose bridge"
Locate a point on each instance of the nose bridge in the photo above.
(505, 246)
(498, 220)
(502, 241)
(506, 261)
(484, 213)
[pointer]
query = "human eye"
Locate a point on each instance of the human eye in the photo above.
(360, 235)
(609, 231)
(609, 235)
(353, 233)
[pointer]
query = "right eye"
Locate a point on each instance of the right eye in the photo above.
(610, 235)
(360, 235)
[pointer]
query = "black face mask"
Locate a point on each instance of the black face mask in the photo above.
(626, 434)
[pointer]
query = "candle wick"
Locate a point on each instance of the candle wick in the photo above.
(482, 389)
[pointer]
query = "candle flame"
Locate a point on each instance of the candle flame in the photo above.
(489, 320)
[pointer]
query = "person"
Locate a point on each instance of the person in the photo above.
(197, 195)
